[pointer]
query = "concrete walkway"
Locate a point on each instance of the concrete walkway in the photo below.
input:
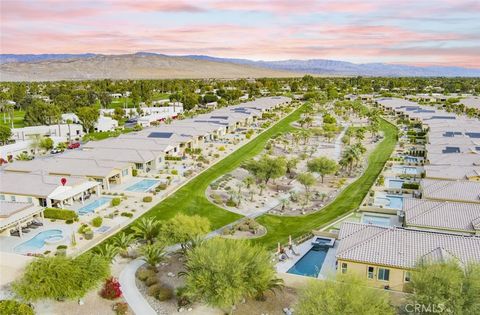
(132, 295)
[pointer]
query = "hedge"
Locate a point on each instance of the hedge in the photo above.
(60, 214)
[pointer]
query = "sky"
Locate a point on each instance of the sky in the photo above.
(435, 32)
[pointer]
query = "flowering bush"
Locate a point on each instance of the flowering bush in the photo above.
(111, 289)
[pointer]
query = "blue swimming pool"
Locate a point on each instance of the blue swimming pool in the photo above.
(38, 241)
(89, 208)
(407, 170)
(390, 201)
(143, 186)
(395, 183)
(310, 264)
(376, 220)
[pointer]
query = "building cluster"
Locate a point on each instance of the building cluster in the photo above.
(442, 222)
(75, 175)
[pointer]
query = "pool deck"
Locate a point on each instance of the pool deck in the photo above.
(328, 266)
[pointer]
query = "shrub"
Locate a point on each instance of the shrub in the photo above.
(69, 221)
(88, 234)
(410, 185)
(120, 308)
(144, 273)
(147, 199)
(60, 214)
(174, 172)
(231, 203)
(111, 289)
(14, 307)
(97, 221)
(221, 148)
(126, 214)
(116, 201)
(164, 294)
(182, 297)
(153, 290)
(151, 280)
(173, 158)
(134, 172)
(62, 247)
(162, 186)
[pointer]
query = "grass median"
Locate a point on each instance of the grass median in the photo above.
(280, 227)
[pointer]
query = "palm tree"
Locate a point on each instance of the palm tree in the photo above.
(249, 181)
(262, 186)
(153, 254)
(123, 241)
(147, 229)
(351, 156)
(109, 251)
(23, 157)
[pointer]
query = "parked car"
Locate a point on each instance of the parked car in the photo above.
(56, 151)
(74, 145)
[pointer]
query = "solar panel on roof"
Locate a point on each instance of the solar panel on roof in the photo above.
(163, 135)
(473, 134)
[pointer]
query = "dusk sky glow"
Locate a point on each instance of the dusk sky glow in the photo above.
(436, 32)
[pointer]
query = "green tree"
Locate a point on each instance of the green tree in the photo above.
(88, 116)
(322, 166)
(346, 295)
(122, 241)
(184, 228)
(41, 113)
(153, 254)
(5, 134)
(267, 168)
(221, 272)
(307, 180)
(46, 143)
(147, 229)
(105, 99)
(61, 277)
(447, 284)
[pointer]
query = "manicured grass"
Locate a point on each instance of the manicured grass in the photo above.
(191, 200)
(18, 119)
(279, 228)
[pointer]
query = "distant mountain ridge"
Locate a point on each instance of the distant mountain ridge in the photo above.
(312, 66)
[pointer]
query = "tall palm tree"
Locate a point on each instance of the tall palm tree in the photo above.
(147, 229)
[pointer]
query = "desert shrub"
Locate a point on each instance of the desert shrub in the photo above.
(88, 234)
(97, 221)
(147, 199)
(111, 289)
(231, 203)
(134, 172)
(144, 273)
(151, 280)
(174, 172)
(116, 201)
(164, 294)
(126, 214)
(60, 214)
(153, 290)
(69, 221)
(162, 186)
(120, 308)
(182, 297)
(221, 148)
(14, 307)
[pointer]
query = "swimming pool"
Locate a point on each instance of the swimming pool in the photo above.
(390, 201)
(310, 264)
(38, 241)
(376, 220)
(143, 186)
(395, 183)
(89, 208)
(407, 170)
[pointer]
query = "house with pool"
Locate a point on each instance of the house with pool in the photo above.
(385, 256)
(16, 216)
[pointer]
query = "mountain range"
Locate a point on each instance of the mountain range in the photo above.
(145, 65)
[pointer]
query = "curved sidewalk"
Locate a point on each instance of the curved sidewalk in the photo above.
(132, 295)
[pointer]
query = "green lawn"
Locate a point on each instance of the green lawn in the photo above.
(18, 119)
(279, 228)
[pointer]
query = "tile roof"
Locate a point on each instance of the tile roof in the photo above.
(402, 247)
(460, 190)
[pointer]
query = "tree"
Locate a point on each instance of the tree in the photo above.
(183, 228)
(88, 116)
(109, 251)
(46, 143)
(147, 229)
(291, 164)
(222, 272)
(41, 113)
(105, 99)
(267, 168)
(447, 284)
(5, 134)
(347, 295)
(323, 166)
(307, 180)
(122, 241)
(153, 254)
(61, 277)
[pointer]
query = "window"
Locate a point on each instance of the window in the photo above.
(383, 274)
(370, 272)
(13, 198)
(125, 172)
(30, 200)
(344, 267)
(407, 276)
(139, 166)
(2, 197)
